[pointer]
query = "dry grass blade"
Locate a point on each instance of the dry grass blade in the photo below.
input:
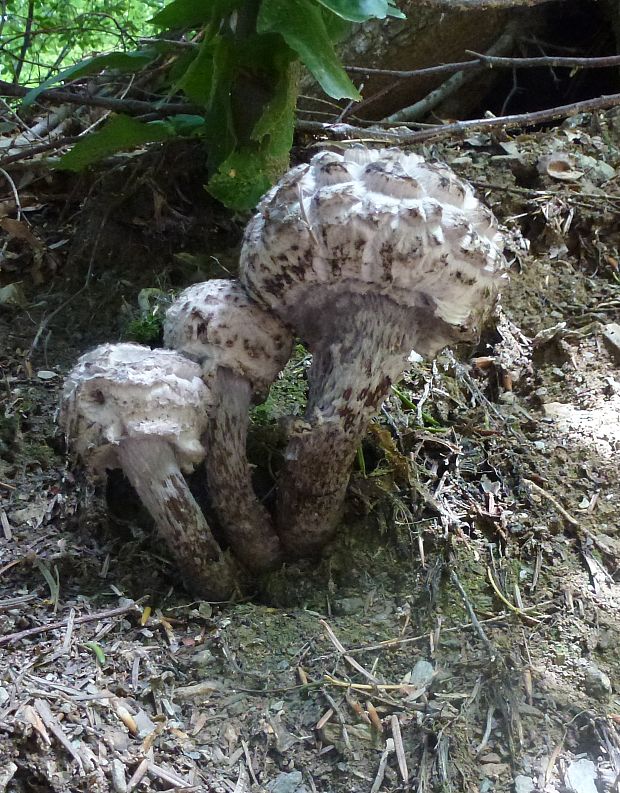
(351, 661)
(400, 749)
(44, 711)
(378, 781)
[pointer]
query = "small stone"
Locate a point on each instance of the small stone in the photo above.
(422, 674)
(345, 606)
(117, 772)
(203, 658)
(597, 683)
(540, 392)
(287, 783)
(7, 772)
(45, 374)
(580, 776)
(611, 337)
(523, 784)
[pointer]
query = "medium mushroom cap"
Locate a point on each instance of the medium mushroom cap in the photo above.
(219, 325)
(384, 222)
(124, 391)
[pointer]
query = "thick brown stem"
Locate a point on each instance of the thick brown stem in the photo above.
(151, 466)
(360, 347)
(245, 522)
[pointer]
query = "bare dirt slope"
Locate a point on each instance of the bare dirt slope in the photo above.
(463, 634)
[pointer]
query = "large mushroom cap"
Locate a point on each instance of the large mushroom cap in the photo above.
(381, 221)
(122, 391)
(217, 323)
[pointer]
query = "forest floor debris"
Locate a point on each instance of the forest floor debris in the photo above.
(463, 633)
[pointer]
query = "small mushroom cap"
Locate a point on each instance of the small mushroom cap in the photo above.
(123, 391)
(217, 324)
(381, 221)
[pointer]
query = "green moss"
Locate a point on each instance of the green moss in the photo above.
(145, 324)
(287, 396)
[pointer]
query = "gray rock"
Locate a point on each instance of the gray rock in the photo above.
(580, 776)
(346, 606)
(524, 784)
(597, 683)
(422, 673)
(287, 783)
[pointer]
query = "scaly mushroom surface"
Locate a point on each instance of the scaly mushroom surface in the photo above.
(141, 410)
(241, 347)
(366, 255)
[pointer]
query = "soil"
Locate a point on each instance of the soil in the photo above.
(461, 634)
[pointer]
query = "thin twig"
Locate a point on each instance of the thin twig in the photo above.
(472, 615)
(419, 109)
(343, 726)
(552, 500)
(340, 648)
(351, 133)
(52, 626)
(491, 62)
(25, 42)
(132, 106)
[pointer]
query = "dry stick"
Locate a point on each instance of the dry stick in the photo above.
(52, 724)
(491, 62)
(472, 615)
(389, 748)
(552, 500)
(478, 5)
(348, 132)
(340, 717)
(41, 148)
(135, 106)
(400, 749)
(419, 109)
(351, 661)
(52, 626)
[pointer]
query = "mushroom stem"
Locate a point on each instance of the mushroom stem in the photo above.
(151, 466)
(245, 522)
(360, 347)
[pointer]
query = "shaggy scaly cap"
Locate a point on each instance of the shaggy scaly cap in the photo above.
(120, 391)
(217, 324)
(381, 221)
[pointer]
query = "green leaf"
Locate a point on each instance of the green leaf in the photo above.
(122, 61)
(241, 179)
(220, 132)
(97, 651)
(193, 13)
(361, 10)
(52, 580)
(301, 24)
(185, 125)
(119, 134)
(197, 81)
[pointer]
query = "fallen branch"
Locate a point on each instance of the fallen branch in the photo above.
(478, 5)
(421, 108)
(131, 106)
(351, 133)
(52, 626)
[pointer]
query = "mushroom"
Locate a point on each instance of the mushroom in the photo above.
(241, 348)
(367, 255)
(141, 410)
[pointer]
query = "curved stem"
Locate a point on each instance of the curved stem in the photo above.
(151, 466)
(245, 522)
(360, 347)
